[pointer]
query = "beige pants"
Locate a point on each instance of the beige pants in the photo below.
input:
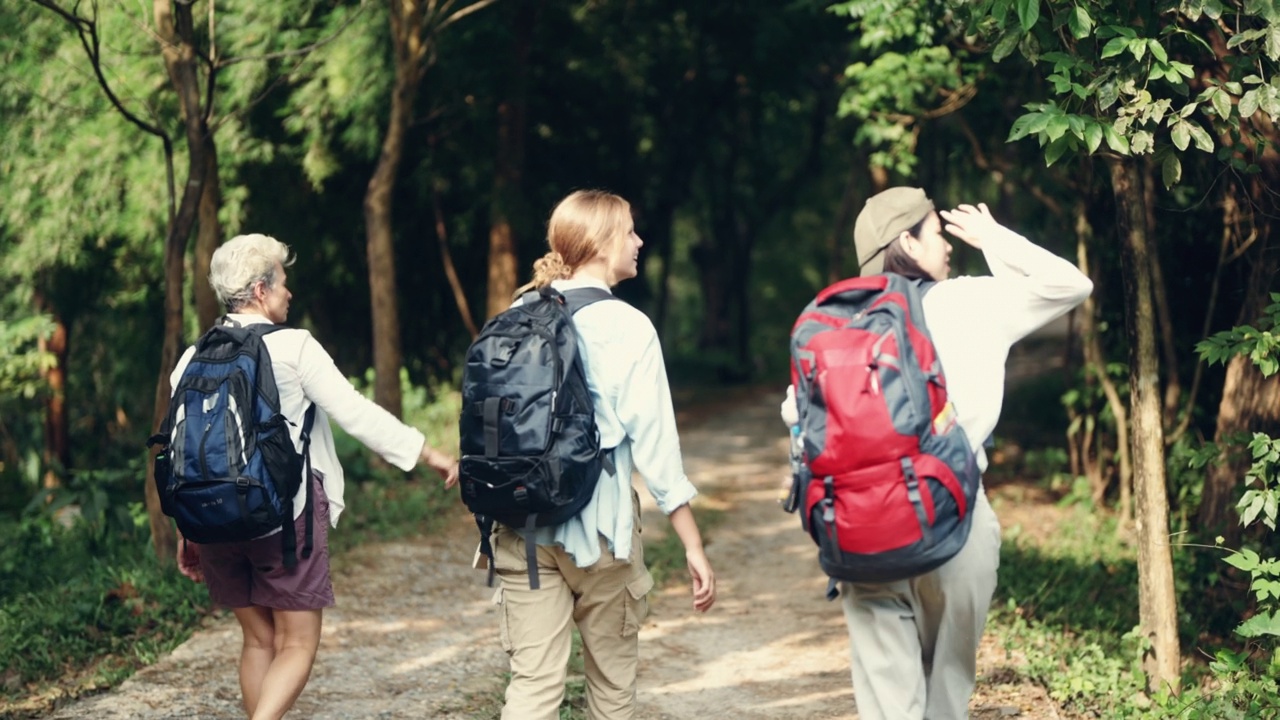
(915, 642)
(607, 604)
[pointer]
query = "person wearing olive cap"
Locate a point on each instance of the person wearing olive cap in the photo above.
(914, 642)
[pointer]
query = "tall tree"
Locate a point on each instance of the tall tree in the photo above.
(1125, 76)
(508, 197)
(415, 27)
(176, 32)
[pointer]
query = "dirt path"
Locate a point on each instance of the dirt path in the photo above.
(414, 634)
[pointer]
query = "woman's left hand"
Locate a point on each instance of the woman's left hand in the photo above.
(704, 580)
(189, 560)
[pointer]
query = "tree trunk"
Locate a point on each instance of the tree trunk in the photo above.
(208, 237)
(176, 31)
(1250, 403)
(1096, 362)
(508, 200)
(1168, 343)
(841, 237)
(57, 425)
(410, 52)
(450, 272)
(1157, 600)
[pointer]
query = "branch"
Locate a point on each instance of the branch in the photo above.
(462, 13)
(298, 52)
(87, 31)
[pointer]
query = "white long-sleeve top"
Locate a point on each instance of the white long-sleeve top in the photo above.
(627, 377)
(305, 373)
(974, 320)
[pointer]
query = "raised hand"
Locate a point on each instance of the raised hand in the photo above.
(971, 224)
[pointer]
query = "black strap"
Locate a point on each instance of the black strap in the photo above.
(309, 508)
(485, 524)
(577, 298)
(288, 534)
(833, 589)
(492, 410)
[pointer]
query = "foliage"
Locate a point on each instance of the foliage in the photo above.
(1261, 345)
(1149, 82)
(910, 73)
(21, 362)
(1248, 685)
(58, 612)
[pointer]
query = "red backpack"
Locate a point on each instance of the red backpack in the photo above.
(886, 480)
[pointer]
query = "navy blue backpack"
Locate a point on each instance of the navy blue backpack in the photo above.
(227, 470)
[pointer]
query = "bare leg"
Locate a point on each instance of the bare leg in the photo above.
(257, 653)
(297, 637)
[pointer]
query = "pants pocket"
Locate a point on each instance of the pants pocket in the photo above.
(504, 623)
(636, 603)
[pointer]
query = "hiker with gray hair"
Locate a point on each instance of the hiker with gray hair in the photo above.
(914, 641)
(278, 603)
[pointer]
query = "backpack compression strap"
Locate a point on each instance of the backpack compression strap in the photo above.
(309, 508)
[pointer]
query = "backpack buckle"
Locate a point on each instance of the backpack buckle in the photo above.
(521, 495)
(505, 359)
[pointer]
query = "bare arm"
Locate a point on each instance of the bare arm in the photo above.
(704, 579)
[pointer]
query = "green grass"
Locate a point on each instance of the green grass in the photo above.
(1067, 611)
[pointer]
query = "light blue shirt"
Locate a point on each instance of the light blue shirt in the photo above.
(628, 381)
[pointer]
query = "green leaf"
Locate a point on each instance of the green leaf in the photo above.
(1114, 47)
(1056, 150)
(1246, 560)
(1021, 127)
(1115, 140)
(1181, 136)
(1006, 46)
(1248, 104)
(1200, 137)
(1221, 103)
(1028, 13)
(1138, 48)
(1260, 624)
(1255, 506)
(1157, 51)
(1079, 22)
(1171, 170)
(1093, 136)
(1057, 127)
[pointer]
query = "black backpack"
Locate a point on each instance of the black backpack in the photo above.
(530, 448)
(227, 470)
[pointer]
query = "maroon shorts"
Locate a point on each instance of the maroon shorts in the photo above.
(252, 572)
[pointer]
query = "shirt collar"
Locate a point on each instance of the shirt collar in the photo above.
(249, 318)
(580, 282)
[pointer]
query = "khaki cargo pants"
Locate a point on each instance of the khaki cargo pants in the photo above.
(605, 601)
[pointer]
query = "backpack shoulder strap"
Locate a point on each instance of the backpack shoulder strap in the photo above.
(578, 298)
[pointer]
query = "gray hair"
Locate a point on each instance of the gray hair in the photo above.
(241, 263)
